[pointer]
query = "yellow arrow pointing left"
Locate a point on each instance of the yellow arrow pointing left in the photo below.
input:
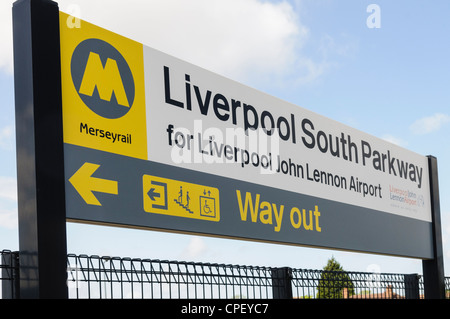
(85, 184)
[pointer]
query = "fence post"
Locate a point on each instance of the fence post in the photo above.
(412, 286)
(10, 275)
(282, 283)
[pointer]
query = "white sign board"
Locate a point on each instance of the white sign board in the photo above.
(154, 142)
(202, 121)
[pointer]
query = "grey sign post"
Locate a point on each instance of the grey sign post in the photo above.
(40, 158)
(433, 269)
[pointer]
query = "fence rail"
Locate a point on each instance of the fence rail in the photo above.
(105, 277)
(102, 277)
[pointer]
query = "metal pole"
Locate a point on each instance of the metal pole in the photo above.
(412, 290)
(40, 154)
(282, 283)
(433, 269)
(9, 274)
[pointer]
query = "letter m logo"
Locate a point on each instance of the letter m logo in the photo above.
(102, 78)
(106, 78)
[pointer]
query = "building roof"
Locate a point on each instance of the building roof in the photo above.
(387, 294)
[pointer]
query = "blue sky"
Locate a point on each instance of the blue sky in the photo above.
(391, 82)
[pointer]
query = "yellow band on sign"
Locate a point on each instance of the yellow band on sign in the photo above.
(103, 91)
(171, 197)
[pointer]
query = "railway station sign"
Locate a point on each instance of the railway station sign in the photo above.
(112, 132)
(154, 142)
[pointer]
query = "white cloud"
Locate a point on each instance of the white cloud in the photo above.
(6, 49)
(429, 124)
(8, 188)
(241, 39)
(246, 40)
(8, 219)
(394, 140)
(195, 248)
(8, 199)
(7, 137)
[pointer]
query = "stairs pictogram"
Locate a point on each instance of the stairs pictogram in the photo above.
(183, 206)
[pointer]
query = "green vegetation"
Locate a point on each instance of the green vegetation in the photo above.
(333, 281)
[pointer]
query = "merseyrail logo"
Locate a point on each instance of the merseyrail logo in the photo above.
(103, 92)
(102, 78)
